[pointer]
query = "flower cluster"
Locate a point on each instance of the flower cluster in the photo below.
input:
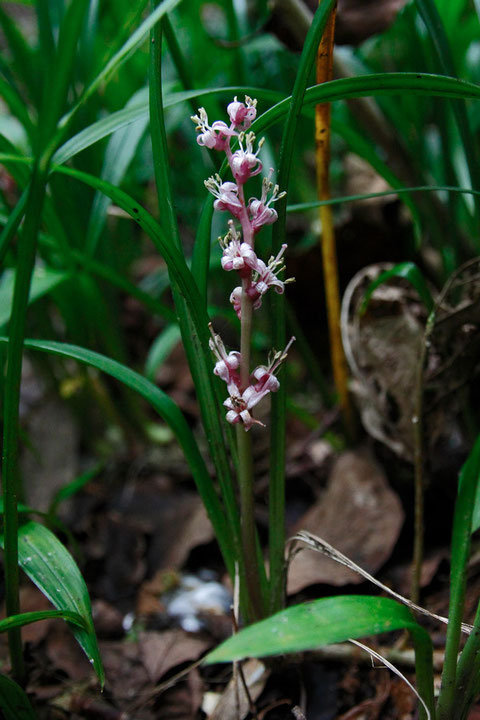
(257, 277)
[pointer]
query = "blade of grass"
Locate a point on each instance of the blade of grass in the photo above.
(169, 411)
(433, 21)
(278, 414)
(10, 473)
(451, 692)
(21, 54)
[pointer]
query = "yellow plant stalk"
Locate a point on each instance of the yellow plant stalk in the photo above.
(329, 254)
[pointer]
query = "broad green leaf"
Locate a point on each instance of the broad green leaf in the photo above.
(311, 625)
(31, 617)
(14, 703)
(326, 621)
(44, 280)
(170, 412)
(410, 272)
(54, 571)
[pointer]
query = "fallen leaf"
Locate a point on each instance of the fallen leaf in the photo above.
(160, 652)
(233, 703)
(358, 514)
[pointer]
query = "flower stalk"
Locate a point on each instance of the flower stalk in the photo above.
(245, 388)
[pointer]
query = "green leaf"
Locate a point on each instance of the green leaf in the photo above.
(122, 118)
(44, 280)
(161, 349)
(376, 84)
(277, 304)
(53, 570)
(410, 272)
(31, 617)
(120, 151)
(129, 47)
(312, 625)
(326, 621)
(473, 467)
(99, 130)
(460, 551)
(14, 702)
(21, 53)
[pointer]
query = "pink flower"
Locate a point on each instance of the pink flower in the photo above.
(242, 113)
(227, 365)
(260, 211)
(245, 163)
(237, 255)
(238, 411)
(226, 194)
(215, 137)
(236, 300)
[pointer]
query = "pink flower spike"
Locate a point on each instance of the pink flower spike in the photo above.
(226, 194)
(245, 163)
(242, 114)
(215, 137)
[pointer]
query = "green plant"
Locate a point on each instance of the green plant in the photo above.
(84, 134)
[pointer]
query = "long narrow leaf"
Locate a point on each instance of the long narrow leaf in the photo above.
(169, 411)
(278, 414)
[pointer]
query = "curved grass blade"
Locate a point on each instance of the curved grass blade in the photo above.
(169, 411)
(99, 130)
(410, 272)
(14, 702)
(31, 617)
(376, 84)
(53, 570)
(326, 621)
(171, 254)
(302, 207)
(362, 86)
(122, 118)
